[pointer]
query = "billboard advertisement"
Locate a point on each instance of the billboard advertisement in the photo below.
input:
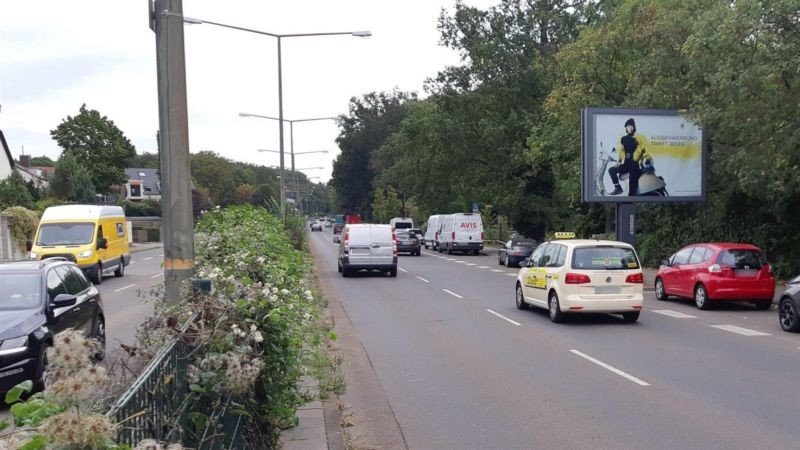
(642, 155)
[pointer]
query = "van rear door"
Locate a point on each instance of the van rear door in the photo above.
(468, 228)
(360, 245)
(382, 246)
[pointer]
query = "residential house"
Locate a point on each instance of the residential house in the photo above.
(6, 161)
(142, 184)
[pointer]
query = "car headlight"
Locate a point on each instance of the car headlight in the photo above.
(34, 255)
(15, 345)
(85, 254)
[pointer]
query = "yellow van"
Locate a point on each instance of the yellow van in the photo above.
(94, 237)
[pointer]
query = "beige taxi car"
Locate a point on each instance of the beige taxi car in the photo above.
(567, 276)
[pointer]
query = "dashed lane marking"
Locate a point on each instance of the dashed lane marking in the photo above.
(675, 314)
(497, 271)
(402, 270)
(740, 330)
(483, 267)
(471, 264)
(149, 257)
(157, 275)
(452, 293)
(504, 317)
(611, 368)
(125, 287)
(423, 279)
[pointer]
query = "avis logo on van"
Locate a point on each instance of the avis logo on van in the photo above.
(469, 225)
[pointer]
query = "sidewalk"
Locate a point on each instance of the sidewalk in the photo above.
(309, 434)
(144, 246)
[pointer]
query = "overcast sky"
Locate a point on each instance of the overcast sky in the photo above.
(56, 55)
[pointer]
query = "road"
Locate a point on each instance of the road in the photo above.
(461, 367)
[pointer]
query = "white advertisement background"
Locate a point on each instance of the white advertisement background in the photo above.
(683, 176)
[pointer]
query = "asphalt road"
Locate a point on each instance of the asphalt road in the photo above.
(461, 367)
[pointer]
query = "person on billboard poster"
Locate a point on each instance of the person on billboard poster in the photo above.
(630, 159)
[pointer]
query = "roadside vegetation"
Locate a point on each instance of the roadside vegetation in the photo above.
(503, 127)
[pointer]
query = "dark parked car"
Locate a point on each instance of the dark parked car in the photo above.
(789, 307)
(515, 251)
(407, 242)
(39, 299)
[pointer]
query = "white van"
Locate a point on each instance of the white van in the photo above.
(366, 246)
(461, 233)
(400, 223)
(431, 238)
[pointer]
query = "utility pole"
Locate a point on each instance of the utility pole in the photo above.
(176, 195)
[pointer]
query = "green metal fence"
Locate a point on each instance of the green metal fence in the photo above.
(155, 405)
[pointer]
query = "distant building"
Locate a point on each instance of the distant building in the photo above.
(142, 184)
(35, 174)
(6, 161)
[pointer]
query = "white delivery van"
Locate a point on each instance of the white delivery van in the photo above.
(431, 239)
(461, 233)
(400, 223)
(365, 246)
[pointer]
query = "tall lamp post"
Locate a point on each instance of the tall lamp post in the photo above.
(291, 135)
(279, 37)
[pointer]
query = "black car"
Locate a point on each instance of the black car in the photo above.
(39, 299)
(407, 242)
(515, 251)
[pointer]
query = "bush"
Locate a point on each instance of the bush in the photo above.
(144, 208)
(23, 223)
(14, 192)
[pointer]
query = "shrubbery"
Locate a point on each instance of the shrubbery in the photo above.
(144, 208)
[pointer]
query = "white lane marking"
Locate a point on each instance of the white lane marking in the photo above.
(511, 274)
(149, 257)
(461, 262)
(161, 255)
(423, 279)
(450, 259)
(402, 270)
(504, 317)
(740, 330)
(497, 271)
(611, 368)
(471, 264)
(675, 314)
(125, 287)
(452, 293)
(157, 275)
(483, 267)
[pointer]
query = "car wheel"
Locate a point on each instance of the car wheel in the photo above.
(499, 261)
(98, 276)
(41, 367)
(345, 272)
(120, 272)
(555, 308)
(449, 250)
(393, 272)
(631, 316)
(661, 294)
(509, 263)
(763, 305)
(520, 298)
(339, 266)
(100, 337)
(787, 314)
(701, 297)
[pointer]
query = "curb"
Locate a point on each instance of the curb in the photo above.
(310, 432)
(144, 247)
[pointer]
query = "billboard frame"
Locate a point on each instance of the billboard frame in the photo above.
(588, 135)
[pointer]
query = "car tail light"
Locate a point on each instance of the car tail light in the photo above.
(769, 268)
(394, 244)
(346, 242)
(636, 278)
(482, 235)
(715, 268)
(576, 278)
(453, 235)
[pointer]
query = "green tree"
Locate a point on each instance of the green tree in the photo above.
(215, 173)
(14, 192)
(386, 204)
(144, 161)
(42, 161)
(72, 180)
(97, 143)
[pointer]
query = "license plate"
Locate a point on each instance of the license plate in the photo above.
(360, 251)
(607, 290)
(746, 273)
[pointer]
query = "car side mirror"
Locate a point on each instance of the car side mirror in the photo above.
(64, 300)
(102, 243)
(28, 245)
(336, 239)
(525, 262)
(665, 262)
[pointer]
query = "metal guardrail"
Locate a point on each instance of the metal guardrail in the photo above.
(155, 405)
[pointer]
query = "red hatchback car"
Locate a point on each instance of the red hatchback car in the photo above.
(717, 272)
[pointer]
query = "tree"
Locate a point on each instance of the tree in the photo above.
(97, 143)
(386, 204)
(14, 192)
(244, 193)
(214, 172)
(144, 161)
(72, 180)
(42, 161)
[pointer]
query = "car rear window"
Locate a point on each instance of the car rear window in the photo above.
(399, 225)
(742, 258)
(20, 291)
(604, 258)
(526, 244)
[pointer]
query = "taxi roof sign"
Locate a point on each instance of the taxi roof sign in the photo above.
(565, 235)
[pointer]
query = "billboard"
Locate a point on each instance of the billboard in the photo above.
(641, 155)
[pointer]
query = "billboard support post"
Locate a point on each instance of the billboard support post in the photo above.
(626, 222)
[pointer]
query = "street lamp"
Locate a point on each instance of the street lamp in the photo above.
(291, 134)
(196, 21)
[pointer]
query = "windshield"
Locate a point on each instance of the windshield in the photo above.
(604, 258)
(65, 234)
(20, 291)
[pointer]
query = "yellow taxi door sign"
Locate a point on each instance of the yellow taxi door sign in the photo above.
(537, 278)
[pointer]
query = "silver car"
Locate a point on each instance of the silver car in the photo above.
(789, 306)
(367, 247)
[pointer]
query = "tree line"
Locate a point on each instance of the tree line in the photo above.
(503, 127)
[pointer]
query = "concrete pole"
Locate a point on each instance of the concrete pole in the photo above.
(280, 132)
(176, 195)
